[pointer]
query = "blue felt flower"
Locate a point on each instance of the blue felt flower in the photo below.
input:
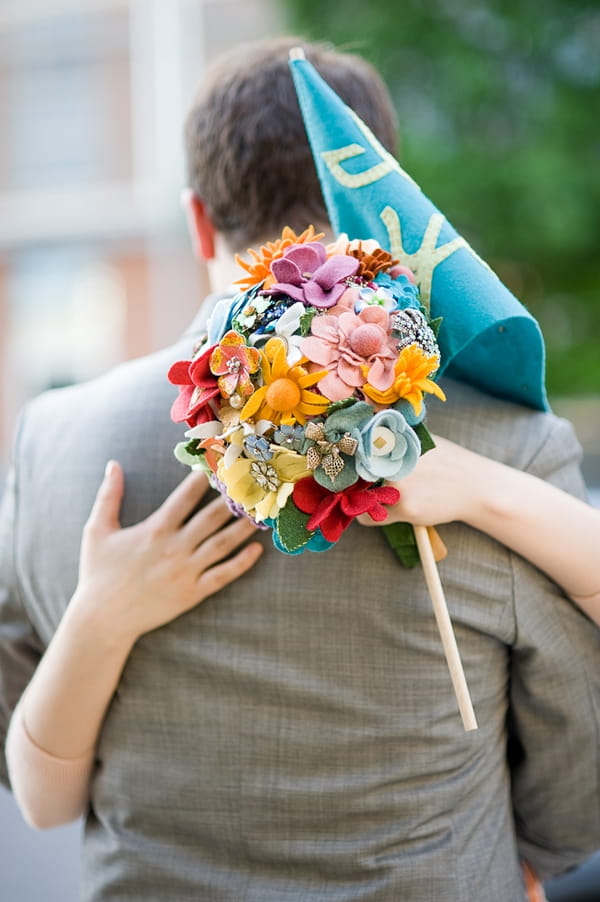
(289, 436)
(387, 447)
(226, 311)
(379, 296)
(219, 321)
(408, 412)
(258, 447)
(404, 291)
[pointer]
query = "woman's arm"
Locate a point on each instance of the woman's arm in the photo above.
(130, 581)
(558, 533)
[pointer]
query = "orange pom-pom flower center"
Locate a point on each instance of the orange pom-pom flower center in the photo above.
(283, 394)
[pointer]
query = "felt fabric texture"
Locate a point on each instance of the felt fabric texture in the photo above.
(487, 338)
(333, 512)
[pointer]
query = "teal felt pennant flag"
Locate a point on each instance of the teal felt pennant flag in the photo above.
(487, 338)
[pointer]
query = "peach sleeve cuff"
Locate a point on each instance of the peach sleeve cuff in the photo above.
(49, 790)
(535, 890)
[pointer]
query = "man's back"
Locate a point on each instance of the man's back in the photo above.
(296, 737)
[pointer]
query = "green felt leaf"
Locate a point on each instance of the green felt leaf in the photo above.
(435, 324)
(340, 405)
(291, 527)
(306, 320)
(190, 453)
(424, 436)
(401, 538)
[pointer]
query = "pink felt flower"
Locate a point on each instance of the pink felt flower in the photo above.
(197, 387)
(234, 362)
(347, 301)
(306, 274)
(353, 348)
(333, 512)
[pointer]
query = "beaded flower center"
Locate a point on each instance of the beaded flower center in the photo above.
(265, 476)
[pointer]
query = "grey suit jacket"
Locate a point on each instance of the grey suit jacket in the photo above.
(296, 737)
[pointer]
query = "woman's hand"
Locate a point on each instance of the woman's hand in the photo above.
(446, 485)
(143, 576)
(556, 532)
(130, 581)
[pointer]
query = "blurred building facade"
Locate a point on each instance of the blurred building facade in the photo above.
(95, 263)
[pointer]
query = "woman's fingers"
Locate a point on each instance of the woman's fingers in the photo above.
(221, 543)
(104, 515)
(220, 575)
(208, 520)
(182, 500)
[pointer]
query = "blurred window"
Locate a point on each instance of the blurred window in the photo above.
(53, 128)
(66, 100)
(67, 309)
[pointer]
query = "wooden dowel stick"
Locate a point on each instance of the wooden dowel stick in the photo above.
(440, 609)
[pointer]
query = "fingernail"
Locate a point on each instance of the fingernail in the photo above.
(109, 469)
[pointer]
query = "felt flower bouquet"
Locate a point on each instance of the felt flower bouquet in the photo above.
(307, 396)
(306, 399)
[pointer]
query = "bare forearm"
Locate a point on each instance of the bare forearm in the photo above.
(131, 581)
(65, 703)
(54, 730)
(556, 532)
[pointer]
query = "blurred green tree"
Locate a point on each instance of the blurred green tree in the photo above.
(499, 111)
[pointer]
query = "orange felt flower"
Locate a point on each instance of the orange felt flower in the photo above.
(234, 362)
(284, 397)
(411, 380)
(370, 263)
(259, 269)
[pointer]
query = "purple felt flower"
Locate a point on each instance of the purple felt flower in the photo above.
(306, 274)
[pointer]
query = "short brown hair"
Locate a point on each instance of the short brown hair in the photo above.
(248, 156)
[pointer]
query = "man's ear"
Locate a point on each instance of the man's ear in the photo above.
(202, 231)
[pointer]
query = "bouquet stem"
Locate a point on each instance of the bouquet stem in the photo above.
(440, 609)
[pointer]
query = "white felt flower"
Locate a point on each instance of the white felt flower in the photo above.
(287, 328)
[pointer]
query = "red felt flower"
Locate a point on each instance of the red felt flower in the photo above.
(333, 512)
(197, 386)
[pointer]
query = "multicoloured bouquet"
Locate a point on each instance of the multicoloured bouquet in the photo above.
(306, 398)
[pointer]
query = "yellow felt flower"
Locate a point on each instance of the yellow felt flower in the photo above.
(411, 379)
(263, 487)
(284, 397)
